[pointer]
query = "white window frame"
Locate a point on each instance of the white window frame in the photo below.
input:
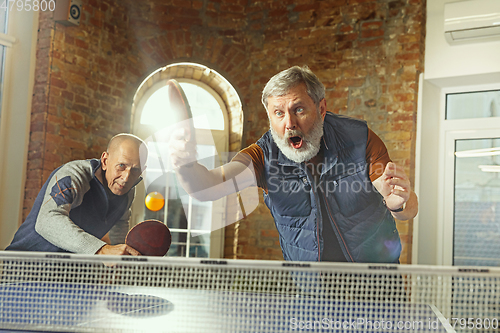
(452, 130)
(221, 140)
(7, 40)
(19, 78)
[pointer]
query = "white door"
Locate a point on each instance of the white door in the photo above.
(470, 232)
(472, 198)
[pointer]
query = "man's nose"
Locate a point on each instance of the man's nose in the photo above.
(290, 121)
(126, 174)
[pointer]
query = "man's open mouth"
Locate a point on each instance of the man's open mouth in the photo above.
(295, 141)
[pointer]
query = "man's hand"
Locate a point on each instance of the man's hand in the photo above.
(182, 149)
(120, 249)
(395, 187)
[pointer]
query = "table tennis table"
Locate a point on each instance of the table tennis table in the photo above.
(75, 293)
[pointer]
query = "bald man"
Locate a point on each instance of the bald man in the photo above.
(84, 200)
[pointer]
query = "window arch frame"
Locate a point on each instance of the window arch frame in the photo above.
(227, 98)
(212, 79)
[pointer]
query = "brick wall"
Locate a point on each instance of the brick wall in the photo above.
(84, 81)
(368, 53)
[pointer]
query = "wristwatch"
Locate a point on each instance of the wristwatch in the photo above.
(400, 209)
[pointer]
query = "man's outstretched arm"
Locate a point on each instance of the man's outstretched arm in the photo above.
(198, 181)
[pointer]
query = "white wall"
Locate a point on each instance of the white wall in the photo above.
(15, 119)
(443, 60)
(446, 66)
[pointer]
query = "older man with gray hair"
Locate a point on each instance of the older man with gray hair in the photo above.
(327, 179)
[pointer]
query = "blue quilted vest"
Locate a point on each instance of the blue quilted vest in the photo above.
(364, 227)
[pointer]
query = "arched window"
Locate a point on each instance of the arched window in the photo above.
(202, 99)
(191, 222)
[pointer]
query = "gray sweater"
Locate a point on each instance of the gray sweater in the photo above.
(72, 212)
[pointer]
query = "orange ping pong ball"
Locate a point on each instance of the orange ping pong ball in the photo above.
(154, 201)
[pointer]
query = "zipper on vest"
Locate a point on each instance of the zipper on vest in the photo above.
(313, 187)
(317, 235)
(341, 240)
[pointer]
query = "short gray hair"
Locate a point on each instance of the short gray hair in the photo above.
(282, 82)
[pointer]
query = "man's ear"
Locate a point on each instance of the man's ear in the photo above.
(104, 160)
(322, 108)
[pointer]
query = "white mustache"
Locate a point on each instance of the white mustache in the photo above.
(291, 133)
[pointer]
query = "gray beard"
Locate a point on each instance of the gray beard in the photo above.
(311, 142)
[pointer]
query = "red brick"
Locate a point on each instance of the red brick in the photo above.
(372, 25)
(82, 44)
(76, 79)
(181, 3)
(305, 7)
(408, 56)
(409, 38)
(269, 233)
(371, 43)
(58, 83)
(67, 95)
(232, 8)
(76, 117)
(104, 89)
(197, 4)
(346, 28)
(70, 143)
(372, 33)
(95, 22)
(53, 158)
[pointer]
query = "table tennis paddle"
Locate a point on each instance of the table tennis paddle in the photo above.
(150, 238)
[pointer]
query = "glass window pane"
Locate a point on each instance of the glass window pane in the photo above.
(155, 111)
(477, 203)
(178, 246)
(482, 104)
(199, 246)
(176, 217)
(3, 20)
(3, 29)
(206, 155)
(178, 205)
(203, 105)
(202, 215)
(2, 69)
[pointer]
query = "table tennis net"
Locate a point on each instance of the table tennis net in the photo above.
(77, 293)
